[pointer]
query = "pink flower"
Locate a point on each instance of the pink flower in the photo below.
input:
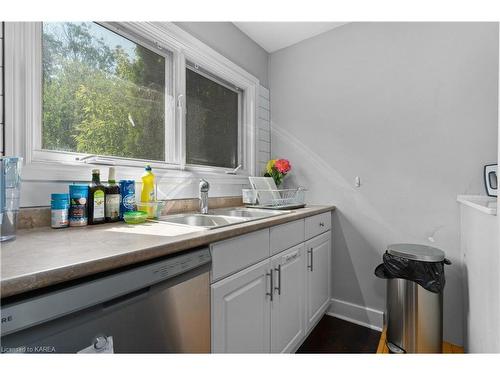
(283, 166)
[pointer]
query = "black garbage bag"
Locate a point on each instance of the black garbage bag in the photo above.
(429, 275)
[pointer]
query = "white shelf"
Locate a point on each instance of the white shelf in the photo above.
(483, 203)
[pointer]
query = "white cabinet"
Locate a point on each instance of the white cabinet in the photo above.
(241, 311)
(481, 262)
(272, 305)
(288, 305)
(317, 277)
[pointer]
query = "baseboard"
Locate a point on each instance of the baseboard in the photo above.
(364, 316)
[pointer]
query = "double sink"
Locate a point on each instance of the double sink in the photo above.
(221, 217)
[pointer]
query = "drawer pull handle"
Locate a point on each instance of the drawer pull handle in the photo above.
(270, 294)
(321, 224)
(278, 288)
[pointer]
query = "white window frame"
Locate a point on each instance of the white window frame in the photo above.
(23, 94)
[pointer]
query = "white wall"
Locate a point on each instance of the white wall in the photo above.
(496, 327)
(411, 108)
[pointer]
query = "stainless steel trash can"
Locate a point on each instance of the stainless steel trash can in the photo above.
(414, 314)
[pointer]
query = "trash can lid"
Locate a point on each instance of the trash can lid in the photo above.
(422, 253)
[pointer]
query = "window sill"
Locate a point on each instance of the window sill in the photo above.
(81, 172)
(40, 179)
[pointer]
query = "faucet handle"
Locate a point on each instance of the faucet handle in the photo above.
(204, 185)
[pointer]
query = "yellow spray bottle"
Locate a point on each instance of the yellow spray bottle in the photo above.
(148, 190)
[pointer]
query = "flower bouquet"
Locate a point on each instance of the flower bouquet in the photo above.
(277, 169)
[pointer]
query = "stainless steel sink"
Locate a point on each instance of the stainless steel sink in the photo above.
(220, 217)
(252, 213)
(199, 220)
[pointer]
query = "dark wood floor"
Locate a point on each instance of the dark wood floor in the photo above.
(333, 335)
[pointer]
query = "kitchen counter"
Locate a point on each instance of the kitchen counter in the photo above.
(43, 257)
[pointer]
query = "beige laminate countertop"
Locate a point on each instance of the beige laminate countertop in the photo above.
(42, 257)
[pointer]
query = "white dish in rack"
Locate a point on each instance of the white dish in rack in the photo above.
(265, 187)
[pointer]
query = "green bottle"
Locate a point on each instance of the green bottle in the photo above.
(97, 199)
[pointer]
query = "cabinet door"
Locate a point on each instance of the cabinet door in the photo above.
(288, 306)
(317, 277)
(241, 311)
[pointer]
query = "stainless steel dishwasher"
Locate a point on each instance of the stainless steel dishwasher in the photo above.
(159, 307)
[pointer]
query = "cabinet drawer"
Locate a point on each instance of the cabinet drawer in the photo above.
(317, 224)
(286, 235)
(237, 253)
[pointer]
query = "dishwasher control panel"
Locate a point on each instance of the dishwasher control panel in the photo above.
(180, 264)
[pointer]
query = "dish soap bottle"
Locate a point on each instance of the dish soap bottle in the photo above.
(97, 193)
(148, 190)
(112, 198)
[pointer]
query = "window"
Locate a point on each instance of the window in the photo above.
(124, 93)
(102, 93)
(212, 120)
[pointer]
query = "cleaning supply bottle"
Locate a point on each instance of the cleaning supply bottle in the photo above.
(148, 193)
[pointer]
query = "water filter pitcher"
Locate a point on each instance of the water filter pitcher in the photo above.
(10, 191)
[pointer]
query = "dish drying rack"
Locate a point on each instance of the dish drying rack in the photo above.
(274, 198)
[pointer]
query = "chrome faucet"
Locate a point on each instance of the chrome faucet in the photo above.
(204, 187)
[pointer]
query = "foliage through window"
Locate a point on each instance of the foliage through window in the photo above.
(102, 93)
(212, 121)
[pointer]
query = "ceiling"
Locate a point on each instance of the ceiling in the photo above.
(273, 36)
